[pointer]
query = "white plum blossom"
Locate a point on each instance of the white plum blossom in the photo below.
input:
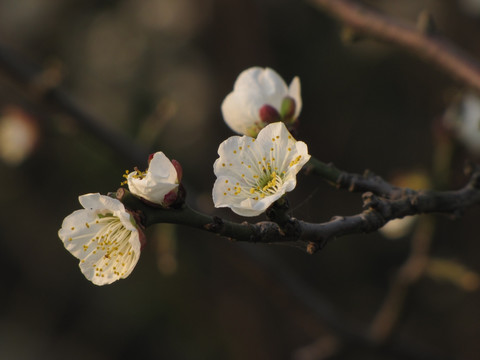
(254, 173)
(161, 178)
(259, 97)
(104, 237)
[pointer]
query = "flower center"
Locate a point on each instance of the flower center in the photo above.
(112, 235)
(138, 175)
(267, 185)
(112, 240)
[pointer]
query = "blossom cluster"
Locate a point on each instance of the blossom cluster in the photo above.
(253, 171)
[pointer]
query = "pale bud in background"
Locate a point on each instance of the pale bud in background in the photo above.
(18, 135)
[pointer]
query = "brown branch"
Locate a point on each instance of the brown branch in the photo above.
(313, 236)
(378, 211)
(432, 48)
(352, 182)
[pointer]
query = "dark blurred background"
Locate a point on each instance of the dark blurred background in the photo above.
(157, 72)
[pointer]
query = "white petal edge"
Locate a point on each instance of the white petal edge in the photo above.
(235, 113)
(294, 91)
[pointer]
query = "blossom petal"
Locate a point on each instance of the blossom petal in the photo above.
(160, 178)
(239, 205)
(95, 201)
(295, 92)
(237, 155)
(162, 169)
(237, 113)
(103, 237)
(261, 86)
(75, 227)
(102, 269)
(254, 173)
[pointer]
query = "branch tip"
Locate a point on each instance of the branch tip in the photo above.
(312, 248)
(370, 201)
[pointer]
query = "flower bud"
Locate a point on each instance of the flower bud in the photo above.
(161, 178)
(258, 99)
(287, 110)
(268, 114)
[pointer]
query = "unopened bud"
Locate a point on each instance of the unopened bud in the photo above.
(268, 114)
(287, 109)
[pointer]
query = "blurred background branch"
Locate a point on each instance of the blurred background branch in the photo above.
(43, 87)
(421, 40)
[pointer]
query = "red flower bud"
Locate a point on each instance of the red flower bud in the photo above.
(268, 114)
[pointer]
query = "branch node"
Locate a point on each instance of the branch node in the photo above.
(372, 220)
(414, 201)
(292, 228)
(214, 226)
(312, 248)
(278, 212)
(370, 201)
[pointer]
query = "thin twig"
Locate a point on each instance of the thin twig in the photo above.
(432, 48)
